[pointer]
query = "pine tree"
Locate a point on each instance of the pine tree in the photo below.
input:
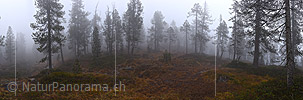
(96, 22)
(1, 44)
(196, 11)
(297, 38)
(10, 46)
(289, 52)
(171, 37)
(238, 39)
(79, 29)
(255, 19)
(281, 23)
(96, 48)
(157, 29)
(176, 36)
(49, 17)
(118, 30)
(203, 36)
(201, 22)
(132, 24)
(222, 37)
(109, 32)
(186, 29)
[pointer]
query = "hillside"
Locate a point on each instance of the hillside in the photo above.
(186, 77)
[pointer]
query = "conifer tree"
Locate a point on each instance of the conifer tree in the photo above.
(49, 17)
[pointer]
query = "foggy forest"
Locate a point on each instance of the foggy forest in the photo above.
(151, 49)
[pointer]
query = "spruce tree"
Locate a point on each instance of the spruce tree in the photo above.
(186, 28)
(10, 46)
(222, 37)
(108, 32)
(96, 48)
(79, 29)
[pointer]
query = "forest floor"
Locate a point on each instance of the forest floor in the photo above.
(147, 76)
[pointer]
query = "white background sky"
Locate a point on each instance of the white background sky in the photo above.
(19, 13)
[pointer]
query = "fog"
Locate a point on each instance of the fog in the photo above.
(19, 13)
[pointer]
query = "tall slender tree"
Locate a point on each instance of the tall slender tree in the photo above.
(255, 19)
(49, 17)
(10, 46)
(289, 52)
(132, 23)
(157, 29)
(96, 47)
(109, 32)
(171, 37)
(118, 30)
(79, 28)
(222, 37)
(296, 16)
(96, 22)
(186, 29)
(205, 21)
(280, 21)
(196, 12)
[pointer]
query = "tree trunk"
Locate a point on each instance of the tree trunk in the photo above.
(221, 53)
(196, 32)
(61, 51)
(293, 32)
(289, 51)
(186, 40)
(128, 46)
(257, 36)
(49, 37)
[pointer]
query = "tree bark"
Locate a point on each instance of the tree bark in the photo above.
(289, 51)
(196, 32)
(49, 36)
(61, 51)
(186, 39)
(257, 35)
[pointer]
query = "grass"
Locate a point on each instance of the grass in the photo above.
(273, 89)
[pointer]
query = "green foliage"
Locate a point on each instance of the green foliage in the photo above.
(275, 89)
(132, 24)
(272, 90)
(54, 9)
(10, 45)
(79, 28)
(202, 20)
(46, 72)
(96, 46)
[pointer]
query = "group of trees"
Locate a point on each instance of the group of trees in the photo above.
(201, 22)
(266, 24)
(169, 36)
(83, 32)
(259, 25)
(48, 35)
(9, 43)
